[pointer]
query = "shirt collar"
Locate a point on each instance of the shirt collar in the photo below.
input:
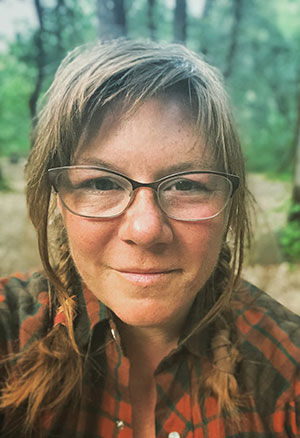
(92, 312)
(89, 313)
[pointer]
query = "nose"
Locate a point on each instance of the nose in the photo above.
(144, 223)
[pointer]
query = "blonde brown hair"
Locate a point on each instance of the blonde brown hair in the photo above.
(88, 81)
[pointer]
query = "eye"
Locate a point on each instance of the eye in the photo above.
(100, 184)
(106, 184)
(186, 185)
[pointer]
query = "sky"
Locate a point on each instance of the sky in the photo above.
(15, 15)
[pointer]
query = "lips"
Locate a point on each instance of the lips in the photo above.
(146, 271)
(146, 277)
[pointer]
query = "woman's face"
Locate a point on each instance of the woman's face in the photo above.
(146, 267)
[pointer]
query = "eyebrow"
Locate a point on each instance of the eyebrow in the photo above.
(91, 161)
(169, 170)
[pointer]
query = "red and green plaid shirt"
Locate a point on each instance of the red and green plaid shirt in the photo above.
(269, 342)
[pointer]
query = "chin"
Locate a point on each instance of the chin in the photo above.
(145, 314)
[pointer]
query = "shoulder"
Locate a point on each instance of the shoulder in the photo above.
(259, 316)
(269, 341)
(24, 309)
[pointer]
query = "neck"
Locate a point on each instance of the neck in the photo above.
(147, 346)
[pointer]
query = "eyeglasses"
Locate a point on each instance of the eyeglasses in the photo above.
(95, 192)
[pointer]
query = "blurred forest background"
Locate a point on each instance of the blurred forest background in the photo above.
(255, 44)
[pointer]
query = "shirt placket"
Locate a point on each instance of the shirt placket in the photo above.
(174, 408)
(116, 418)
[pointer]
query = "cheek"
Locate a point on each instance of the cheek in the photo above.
(201, 246)
(87, 237)
(203, 237)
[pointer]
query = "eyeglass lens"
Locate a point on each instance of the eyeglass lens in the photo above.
(93, 192)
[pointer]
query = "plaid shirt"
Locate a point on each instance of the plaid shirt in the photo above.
(269, 342)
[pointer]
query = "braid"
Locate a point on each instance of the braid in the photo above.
(220, 379)
(49, 372)
(65, 268)
(64, 296)
(42, 380)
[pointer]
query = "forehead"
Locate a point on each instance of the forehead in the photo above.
(160, 137)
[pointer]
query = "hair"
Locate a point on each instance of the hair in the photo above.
(88, 82)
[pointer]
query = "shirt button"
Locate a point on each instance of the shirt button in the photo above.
(174, 435)
(120, 424)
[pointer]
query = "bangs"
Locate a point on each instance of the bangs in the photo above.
(124, 79)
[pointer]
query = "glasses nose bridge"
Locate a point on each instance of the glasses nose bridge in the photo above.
(137, 185)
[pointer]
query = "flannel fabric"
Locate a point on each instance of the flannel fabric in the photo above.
(268, 375)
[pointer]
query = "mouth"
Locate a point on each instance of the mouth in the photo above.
(146, 277)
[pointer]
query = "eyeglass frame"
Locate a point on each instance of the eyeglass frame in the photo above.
(234, 180)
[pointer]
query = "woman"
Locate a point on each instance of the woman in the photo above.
(139, 325)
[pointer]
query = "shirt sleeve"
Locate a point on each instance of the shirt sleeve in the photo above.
(285, 421)
(293, 410)
(8, 330)
(293, 419)
(24, 311)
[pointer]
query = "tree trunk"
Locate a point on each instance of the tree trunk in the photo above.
(295, 214)
(237, 11)
(296, 188)
(60, 5)
(40, 59)
(204, 18)
(180, 21)
(207, 8)
(112, 19)
(151, 22)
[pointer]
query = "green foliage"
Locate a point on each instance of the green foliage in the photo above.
(14, 96)
(264, 87)
(262, 81)
(65, 28)
(138, 21)
(4, 186)
(290, 237)
(137, 26)
(284, 177)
